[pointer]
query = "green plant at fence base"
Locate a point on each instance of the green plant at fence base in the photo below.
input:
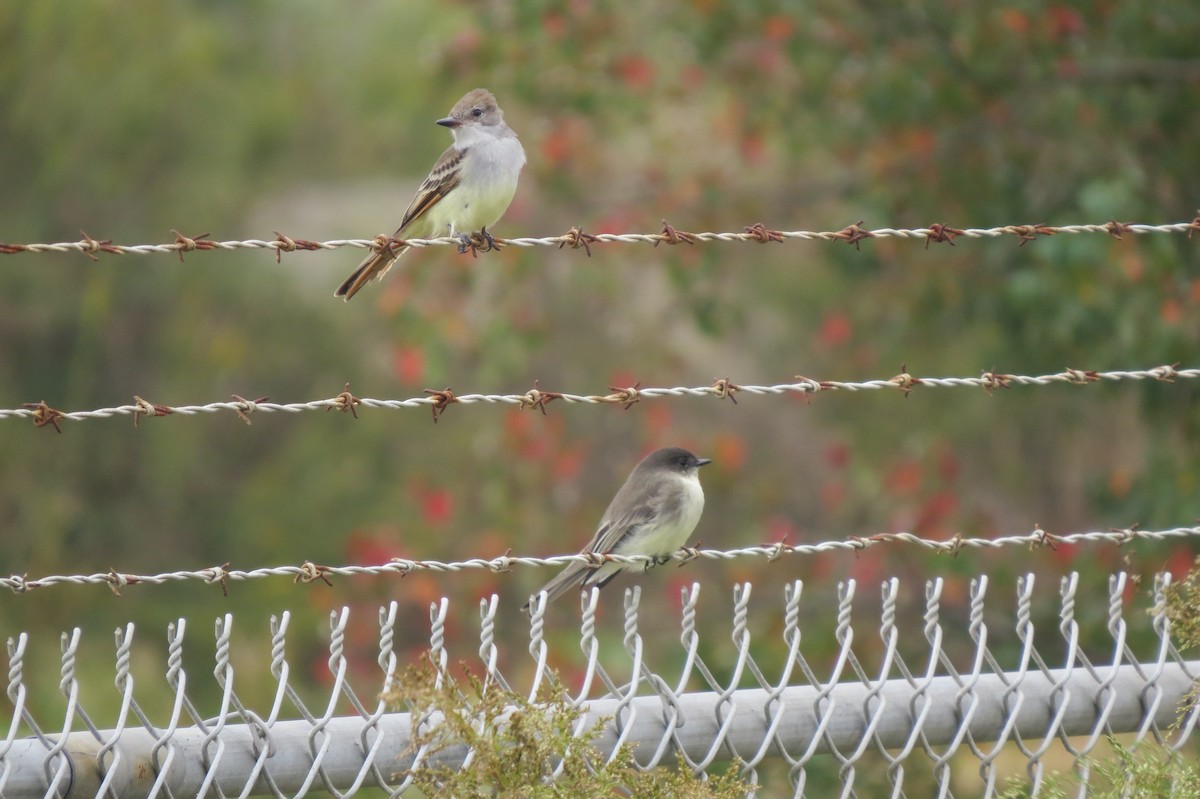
(1152, 770)
(1183, 608)
(517, 744)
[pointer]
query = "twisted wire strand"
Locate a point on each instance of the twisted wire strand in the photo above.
(308, 571)
(439, 400)
(576, 238)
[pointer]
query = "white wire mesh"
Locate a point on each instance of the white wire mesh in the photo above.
(929, 710)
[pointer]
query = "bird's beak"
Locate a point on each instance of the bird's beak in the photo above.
(703, 462)
(449, 122)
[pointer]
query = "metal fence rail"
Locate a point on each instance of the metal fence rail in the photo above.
(900, 714)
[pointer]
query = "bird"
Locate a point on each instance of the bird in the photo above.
(653, 514)
(469, 188)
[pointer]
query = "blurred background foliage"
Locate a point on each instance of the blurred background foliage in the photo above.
(127, 120)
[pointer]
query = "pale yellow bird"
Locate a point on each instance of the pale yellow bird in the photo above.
(468, 190)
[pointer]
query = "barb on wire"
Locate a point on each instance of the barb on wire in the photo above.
(576, 238)
(438, 400)
(309, 572)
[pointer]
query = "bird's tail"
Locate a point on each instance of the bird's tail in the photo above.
(573, 574)
(373, 266)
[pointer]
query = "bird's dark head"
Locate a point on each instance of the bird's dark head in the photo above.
(674, 459)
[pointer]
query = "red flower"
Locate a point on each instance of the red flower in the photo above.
(835, 330)
(437, 506)
(637, 72)
(409, 364)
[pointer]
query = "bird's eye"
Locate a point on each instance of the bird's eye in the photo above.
(476, 112)
(683, 462)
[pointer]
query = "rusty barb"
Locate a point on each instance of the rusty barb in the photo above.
(191, 244)
(244, 407)
(311, 572)
(345, 402)
(725, 389)
(44, 415)
(147, 408)
(576, 238)
(759, 232)
(286, 244)
(536, 398)
(442, 400)
(853, 234)
(1028, 233)
(942, 234)
(628, 396)
(994, 380)
(670, 235)
(905, 382)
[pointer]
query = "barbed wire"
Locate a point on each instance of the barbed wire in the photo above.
(438, 400)
(309, 572)
(576, 238)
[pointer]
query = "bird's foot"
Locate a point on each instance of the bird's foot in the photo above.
(657, 560)
(489, 240)
(483, 241)
(466, 242)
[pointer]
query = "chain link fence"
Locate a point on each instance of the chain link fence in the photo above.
(939, 713)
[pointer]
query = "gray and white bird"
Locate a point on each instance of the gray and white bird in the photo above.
(653, 514)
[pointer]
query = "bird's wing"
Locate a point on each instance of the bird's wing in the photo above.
(445, 175)
(613, 531)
